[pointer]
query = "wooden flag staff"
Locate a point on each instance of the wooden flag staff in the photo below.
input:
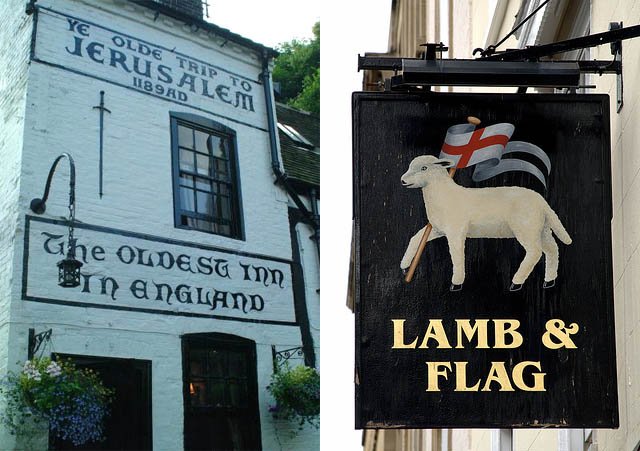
(427, 231)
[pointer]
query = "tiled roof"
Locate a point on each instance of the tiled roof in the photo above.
(301, 163)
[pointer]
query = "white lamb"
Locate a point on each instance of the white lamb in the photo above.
(505, 212)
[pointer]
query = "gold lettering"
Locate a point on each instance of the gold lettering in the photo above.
(507, 327)
(398, 336)
(538, 378)
(498, 373)
(435, 331)
(461, 378)
(434, 372)
(480, 327)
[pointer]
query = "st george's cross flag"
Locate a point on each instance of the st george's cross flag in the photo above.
(485, 147)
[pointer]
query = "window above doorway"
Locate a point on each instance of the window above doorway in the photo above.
(205, 176)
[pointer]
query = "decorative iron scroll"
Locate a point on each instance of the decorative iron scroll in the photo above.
(36, 340)
(281, 357)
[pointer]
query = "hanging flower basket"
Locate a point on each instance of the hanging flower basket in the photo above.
(297, 395)
(73, 401)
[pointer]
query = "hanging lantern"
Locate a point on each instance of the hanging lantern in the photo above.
(69, 268)
(69, 271)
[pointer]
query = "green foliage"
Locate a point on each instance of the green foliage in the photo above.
(297, 69)
(297, 395)
(72, 402)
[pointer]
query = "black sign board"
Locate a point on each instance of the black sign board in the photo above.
(508, 321)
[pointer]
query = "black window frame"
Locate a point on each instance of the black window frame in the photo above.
(249, 412)
(206, 125)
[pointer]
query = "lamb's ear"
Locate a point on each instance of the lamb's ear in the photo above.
(445, 162)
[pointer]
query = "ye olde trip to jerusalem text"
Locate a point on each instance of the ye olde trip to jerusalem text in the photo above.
(506, 336)
(152, 72)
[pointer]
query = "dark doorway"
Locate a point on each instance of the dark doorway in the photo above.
(220, 393)
(129, 425)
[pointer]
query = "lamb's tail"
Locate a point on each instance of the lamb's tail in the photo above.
(556, 225)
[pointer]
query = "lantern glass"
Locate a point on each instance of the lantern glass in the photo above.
(69, 272)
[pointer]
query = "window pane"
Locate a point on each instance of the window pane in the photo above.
(197, 392)
(224, 207)
(206, 226)
(185, 137)
(238, 393)
(186, 160)
(201, 141)
(205, 203)
(217, 365)
(198, 363)
(186, 199)
(224, 229)
(186, 180)
(217, 147)
(237, 364)
(221, 169)
(203, 184)
(216, 392)
(202, 162)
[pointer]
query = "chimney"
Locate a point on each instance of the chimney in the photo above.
(192, 8)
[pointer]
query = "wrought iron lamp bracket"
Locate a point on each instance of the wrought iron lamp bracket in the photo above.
(280, 358)
(36, 340)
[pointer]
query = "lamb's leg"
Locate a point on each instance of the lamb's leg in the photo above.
(412, 249)
(533, 248)
(456, 249)
(551, 258)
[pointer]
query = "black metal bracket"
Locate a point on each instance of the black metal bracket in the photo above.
(280, 358)
(36, 340)
(522, 68)
(616, 51)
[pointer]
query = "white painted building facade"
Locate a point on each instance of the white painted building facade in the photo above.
(190, 235)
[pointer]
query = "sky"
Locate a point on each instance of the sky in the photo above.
(287, 19)
(349, 28)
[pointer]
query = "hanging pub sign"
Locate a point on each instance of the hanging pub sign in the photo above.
(484, 287)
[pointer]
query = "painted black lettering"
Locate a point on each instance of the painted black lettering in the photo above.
(184, 263)
(245, 85)
(59, 246)
(188, 79)
(246, 99)
(164, 74)
(130, 254)
(139, 289)
(77, 49)
(257, 303)
(205, 89)
(94, 50)
(97, 252)
(159, 295)
(223, 93)
(184, 289)
(119, 59)
(141, 257)
(114, 286)
(277, 277)
(136, 67)
(165, 260)
(222, 268)
(219, 297)
(204, 266)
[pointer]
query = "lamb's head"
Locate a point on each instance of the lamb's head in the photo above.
(423, 168)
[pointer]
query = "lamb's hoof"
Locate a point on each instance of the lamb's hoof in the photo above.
(455, 287)
(404, 271)
(549, 284)
(515, 287)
